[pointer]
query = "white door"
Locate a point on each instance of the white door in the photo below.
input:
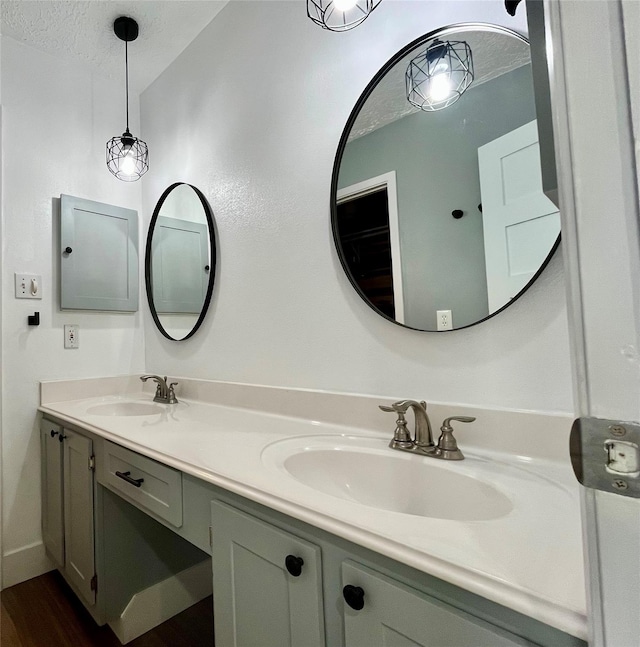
(594, 112)
(520, 223)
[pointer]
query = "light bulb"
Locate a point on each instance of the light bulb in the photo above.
(344, 5)
(440, 87)
(128, 164)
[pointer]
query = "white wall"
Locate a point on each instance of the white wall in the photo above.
(57, 117)
(251, 113)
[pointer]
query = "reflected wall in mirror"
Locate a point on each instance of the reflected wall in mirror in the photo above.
(444, 210)
(180, 261)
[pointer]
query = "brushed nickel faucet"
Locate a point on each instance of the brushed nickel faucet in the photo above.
(164, 393)
(422, 441)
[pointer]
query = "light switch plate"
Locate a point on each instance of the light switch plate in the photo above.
(28, 286)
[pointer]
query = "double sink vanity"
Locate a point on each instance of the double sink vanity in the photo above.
(313, 530)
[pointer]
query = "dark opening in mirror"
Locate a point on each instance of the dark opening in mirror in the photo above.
(180, 261)
(438, 214)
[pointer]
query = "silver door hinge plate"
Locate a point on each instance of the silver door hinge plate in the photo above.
(94, 583)
(605, 455)
(92, 463)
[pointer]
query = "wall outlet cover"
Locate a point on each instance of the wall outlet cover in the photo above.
(444, 319)
(71, 338)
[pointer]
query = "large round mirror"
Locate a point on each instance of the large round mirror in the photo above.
(180, 261)
(438, 211)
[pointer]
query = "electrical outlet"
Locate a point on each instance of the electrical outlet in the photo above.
(445, 322)
(71, 338)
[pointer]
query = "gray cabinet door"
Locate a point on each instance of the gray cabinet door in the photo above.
(78, 514)
(99, 256)
(257, 602)
(52, 502)
(397, 616)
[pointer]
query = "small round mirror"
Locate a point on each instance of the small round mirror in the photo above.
(438, 210)
(180, 261)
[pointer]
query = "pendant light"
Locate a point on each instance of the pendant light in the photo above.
(127, 156)
(340, 15)
(440, 75)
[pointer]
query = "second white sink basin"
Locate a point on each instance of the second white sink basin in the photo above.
(125, 409)
(366, 471)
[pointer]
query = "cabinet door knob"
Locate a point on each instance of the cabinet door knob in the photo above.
(353, 596)
(68, 250)
(294, 565)
(54, 433)
(61, 437)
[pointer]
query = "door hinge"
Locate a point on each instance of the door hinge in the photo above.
(605, 455)
(92, 463)
(94, 583)
(211, 536)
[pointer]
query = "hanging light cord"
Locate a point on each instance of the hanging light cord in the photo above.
(126, 73)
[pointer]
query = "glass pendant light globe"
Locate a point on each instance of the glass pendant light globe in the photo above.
(440, 75)
(340, 15)
(127, 156)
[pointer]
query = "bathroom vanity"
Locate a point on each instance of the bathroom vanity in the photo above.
(144, 502)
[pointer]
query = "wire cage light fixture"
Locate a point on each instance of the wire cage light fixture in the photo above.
(340, 15)
(440, 75)
(127, 156)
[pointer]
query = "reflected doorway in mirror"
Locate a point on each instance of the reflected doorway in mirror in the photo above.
(368, 228)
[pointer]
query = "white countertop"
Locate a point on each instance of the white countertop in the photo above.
(529, 560)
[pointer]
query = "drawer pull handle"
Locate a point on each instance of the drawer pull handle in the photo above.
(354, 596)
(294, 565)
(126, 476)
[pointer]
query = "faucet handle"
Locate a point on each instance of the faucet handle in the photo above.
(447, 421)
(171, 394)
(401, 436)
(447, 446)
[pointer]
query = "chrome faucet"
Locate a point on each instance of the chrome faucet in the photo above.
(164, 393)
(422, 442)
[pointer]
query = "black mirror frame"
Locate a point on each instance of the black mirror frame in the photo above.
(212, 262)
(442, 31)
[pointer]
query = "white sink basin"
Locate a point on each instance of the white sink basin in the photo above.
(366, 471)
(125, 409)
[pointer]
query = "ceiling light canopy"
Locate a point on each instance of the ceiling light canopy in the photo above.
(438, 77)
(340, 15)
(127, 156)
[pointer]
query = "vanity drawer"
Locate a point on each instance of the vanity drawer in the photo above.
(150, 485)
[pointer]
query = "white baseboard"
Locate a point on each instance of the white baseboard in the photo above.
(24, 563)
(162, 601)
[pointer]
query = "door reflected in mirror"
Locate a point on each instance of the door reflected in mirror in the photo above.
(443, 209)
(180, 261)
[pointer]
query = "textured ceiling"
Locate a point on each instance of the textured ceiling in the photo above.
(493, 54)
(83, 31)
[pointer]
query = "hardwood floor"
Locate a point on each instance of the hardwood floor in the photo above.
(44, 612)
